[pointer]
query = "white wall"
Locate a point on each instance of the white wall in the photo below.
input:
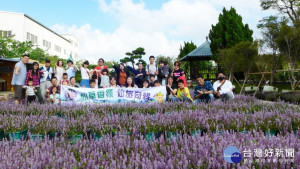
(12, 22)
(20, 24)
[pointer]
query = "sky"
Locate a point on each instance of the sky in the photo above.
(110, 28)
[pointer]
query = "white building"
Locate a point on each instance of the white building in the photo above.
(25, 28)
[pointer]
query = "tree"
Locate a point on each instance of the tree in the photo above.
(183, 51)
(135, 54)
(270, 30)
(229, 31)
(238, 58)
(289, 45)
(11, 48)
(286, 7)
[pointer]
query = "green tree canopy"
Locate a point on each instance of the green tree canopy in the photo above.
(136, 54)
(229, 31)
(286, 7)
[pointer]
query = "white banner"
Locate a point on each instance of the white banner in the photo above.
(112, 95)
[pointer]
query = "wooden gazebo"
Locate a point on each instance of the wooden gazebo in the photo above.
(201, 53)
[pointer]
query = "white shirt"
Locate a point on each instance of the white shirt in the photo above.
(85, 73)
(152, 68)
(29, 90)
(226, 88)
(46, 73)
(59, 71)
(104, 81)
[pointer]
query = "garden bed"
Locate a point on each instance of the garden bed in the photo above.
(166, 135)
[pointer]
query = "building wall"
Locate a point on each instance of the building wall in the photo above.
(27, 29)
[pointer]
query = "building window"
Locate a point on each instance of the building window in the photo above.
(76, 44)
(47, 44)
(57, 48)
(32, 38)
(65, 51)
(5, 34)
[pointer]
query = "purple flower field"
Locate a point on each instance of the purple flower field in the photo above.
(167, 135)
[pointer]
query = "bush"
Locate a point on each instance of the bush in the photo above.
(292, 97)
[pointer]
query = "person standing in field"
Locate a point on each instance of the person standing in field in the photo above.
(151, 69)
(98, 70)
(59, 70)
(35, 74)
(18, 80)
(45, 81)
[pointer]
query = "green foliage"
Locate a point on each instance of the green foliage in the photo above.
(136, 54)
(11, 48)
(229, 31)
(289, 8)
(237, 58)
(183, 51)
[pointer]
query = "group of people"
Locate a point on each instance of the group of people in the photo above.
(44, 83)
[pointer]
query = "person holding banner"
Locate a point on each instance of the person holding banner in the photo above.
(145, 83)
(122, 74)
(54, 84)
(93, 84)
(130, 83)
(113, 82)
(140, 74)
(73, 82)
(85, 75)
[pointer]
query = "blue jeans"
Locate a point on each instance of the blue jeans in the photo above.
(205, 98)
(184, 99)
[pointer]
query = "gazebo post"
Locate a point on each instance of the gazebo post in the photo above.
(191, 72)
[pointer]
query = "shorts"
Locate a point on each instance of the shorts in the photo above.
(85, 83)
(19, 92)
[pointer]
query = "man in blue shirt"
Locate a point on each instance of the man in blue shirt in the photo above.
(18, 80)
(203, 91)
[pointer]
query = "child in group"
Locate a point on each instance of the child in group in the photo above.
(183, 93)
(104, 79)
(94, 77)
(30, 91)
(65, 80)
(55, 97)
(157, 83)
(152, 79)
(92, 84)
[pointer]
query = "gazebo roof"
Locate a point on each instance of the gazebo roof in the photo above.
(203, 52)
